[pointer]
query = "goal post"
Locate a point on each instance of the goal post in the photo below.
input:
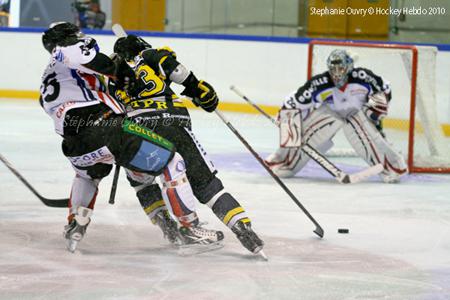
(412, 123)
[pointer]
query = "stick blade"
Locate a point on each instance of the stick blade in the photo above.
(366, 173)
(54, 202)
(118, 30)
(319, 231)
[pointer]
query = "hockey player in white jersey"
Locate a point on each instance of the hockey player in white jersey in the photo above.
(344, 97)
(97, 134)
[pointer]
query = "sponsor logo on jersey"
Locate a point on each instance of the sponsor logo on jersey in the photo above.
(62, 108)
(306, 95)
(101, 155)
(320, 81)
(361, 74)
(133, 128)
(148, 103)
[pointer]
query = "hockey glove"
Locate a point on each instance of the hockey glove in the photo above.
(201, 92)
(376, 107)
(125, 77)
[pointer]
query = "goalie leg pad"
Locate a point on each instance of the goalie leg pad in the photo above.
(177, 192)
(370, 145)
(318, 130)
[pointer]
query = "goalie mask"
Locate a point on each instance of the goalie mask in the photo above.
(61, 34)
(130, 46)
(339, 64)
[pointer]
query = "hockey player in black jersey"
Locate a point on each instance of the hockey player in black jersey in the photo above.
(145, 91)
(96, 133)
(344, 97)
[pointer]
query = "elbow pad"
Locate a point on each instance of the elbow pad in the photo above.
(180, 74)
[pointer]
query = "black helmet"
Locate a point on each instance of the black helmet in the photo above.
(130, 46)
(60, 34)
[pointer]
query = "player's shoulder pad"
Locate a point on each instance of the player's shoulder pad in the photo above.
(166, 50)
(151, 57)
(363, 75)
(318, 82)
(80, 53)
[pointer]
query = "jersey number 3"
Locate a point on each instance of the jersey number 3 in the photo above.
(153, 84)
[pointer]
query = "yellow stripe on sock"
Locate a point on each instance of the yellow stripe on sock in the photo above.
(154, 206)
(232, 213)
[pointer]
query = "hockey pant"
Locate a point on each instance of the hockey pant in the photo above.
(318, 130)
(93, 151)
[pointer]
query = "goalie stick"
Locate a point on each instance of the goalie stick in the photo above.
(46, 201)
(327, 165)
(319, 231)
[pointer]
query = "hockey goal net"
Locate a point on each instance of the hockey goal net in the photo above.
(412, 124)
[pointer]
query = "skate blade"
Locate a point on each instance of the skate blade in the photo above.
(194, 249)
(72, 245)
(262, 255)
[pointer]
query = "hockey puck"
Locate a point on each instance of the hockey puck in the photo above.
(343, 230)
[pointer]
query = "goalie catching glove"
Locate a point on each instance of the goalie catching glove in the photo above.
(201, 92)
(376, 107)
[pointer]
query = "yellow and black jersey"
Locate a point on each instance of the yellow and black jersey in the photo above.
(151, 93)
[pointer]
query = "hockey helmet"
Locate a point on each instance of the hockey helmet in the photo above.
(339, 64)
(130, 46)
(60, 34)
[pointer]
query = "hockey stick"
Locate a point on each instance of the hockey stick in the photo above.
(46, 201)
(112, 196)
(319, 231)
(327, 165)
(118, 32)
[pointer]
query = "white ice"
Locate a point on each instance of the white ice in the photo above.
(398, 246)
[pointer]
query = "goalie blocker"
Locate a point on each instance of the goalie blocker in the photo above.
(290, 124)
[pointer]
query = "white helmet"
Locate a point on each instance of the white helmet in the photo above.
(339, 64)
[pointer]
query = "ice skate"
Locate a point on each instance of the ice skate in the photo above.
(199, 240)
(76, 229)
(168, 226)
(248, 238)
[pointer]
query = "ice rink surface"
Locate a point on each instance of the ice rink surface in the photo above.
(398, 246)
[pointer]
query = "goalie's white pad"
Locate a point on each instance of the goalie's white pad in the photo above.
(318, 130)
(290, 121)
(370, 145)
